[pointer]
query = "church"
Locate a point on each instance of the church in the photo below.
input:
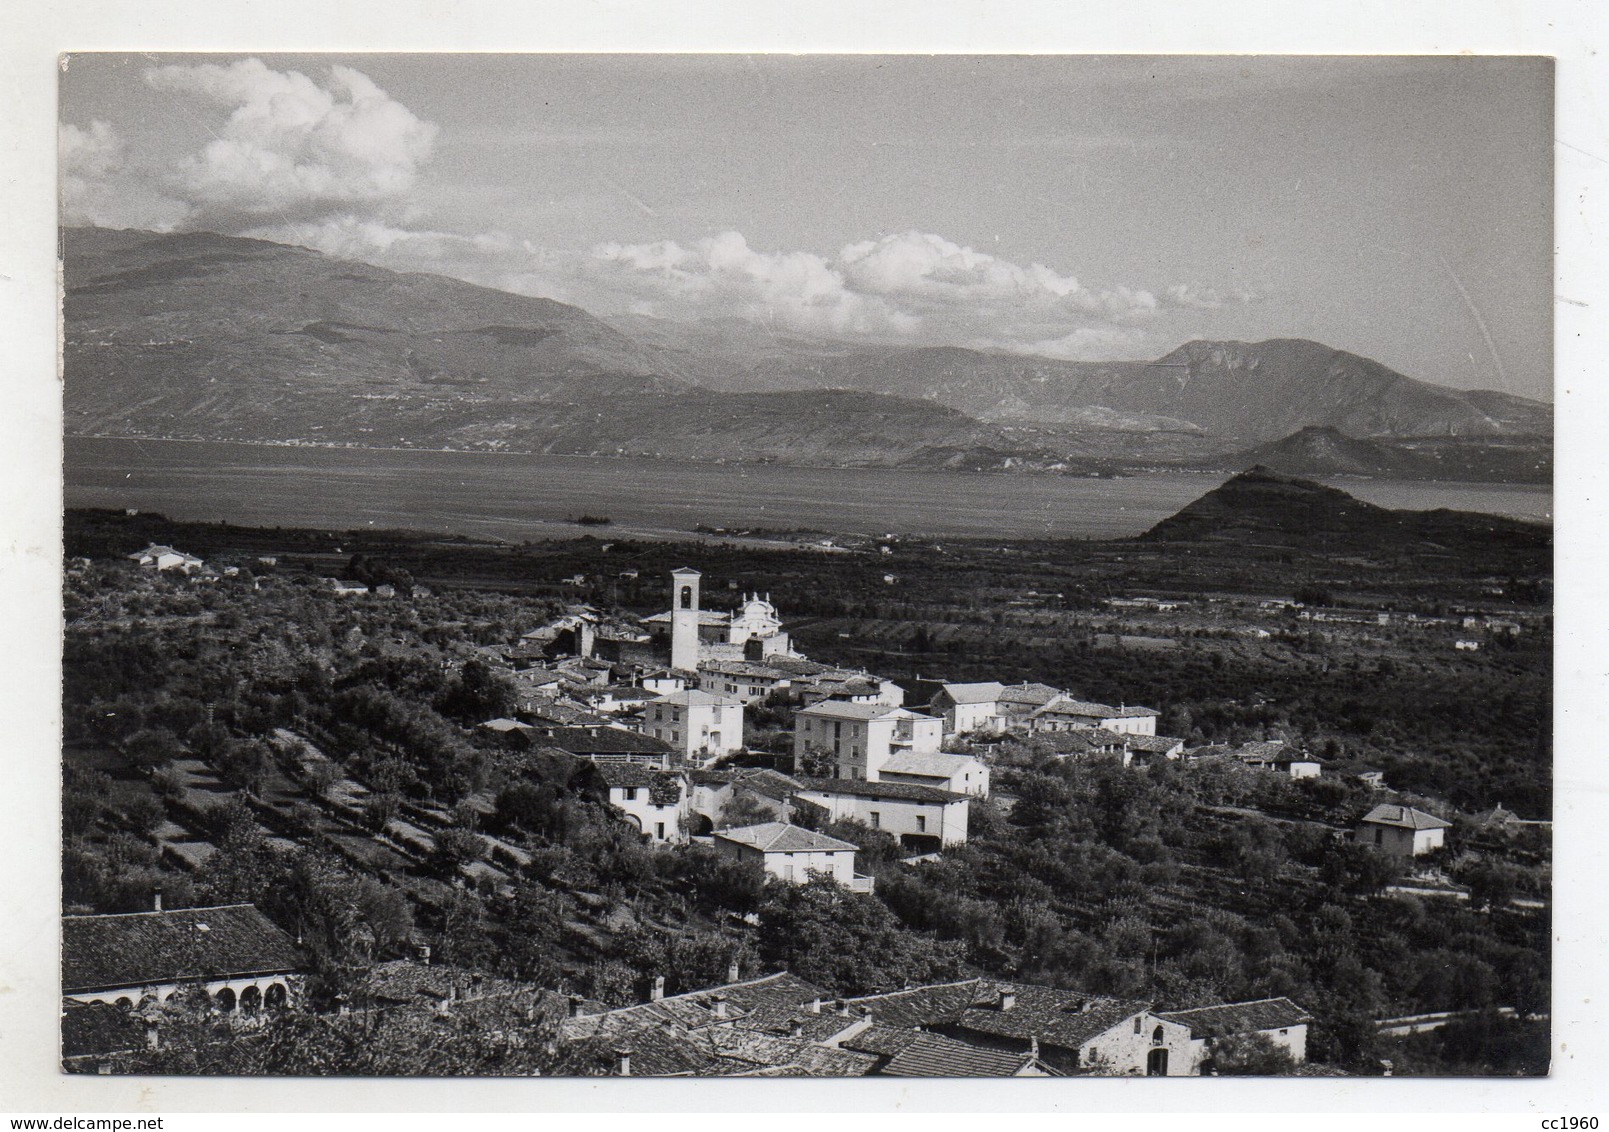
(753, 632)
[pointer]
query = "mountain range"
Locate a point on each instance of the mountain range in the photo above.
(203, 336)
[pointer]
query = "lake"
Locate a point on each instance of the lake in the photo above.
(521, 497)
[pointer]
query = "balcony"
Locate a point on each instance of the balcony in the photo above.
(862, 884)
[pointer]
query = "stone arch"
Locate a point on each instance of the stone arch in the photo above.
(125, 1003)
(686, 599)
(148, 1000)
(251, 1000)
(225, 998)
(634, 820)
(276, 997)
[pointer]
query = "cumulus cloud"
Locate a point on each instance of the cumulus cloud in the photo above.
(907, 286)
(290, 149)
(1204, 298)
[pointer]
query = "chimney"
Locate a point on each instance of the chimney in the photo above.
(720, 1005)
(622, 1063)
(658, 991)
(841, 1006)
(153, 1034)
(444, 1005)
(1008, 999)
(795, 1029)
(575, 1006)
(156, 900)
(815, 1005)
(732, 971)
(1387, 1067)
(422, 952)
(1033, 1047)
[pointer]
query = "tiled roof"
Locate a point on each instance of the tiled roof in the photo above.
(705, 617)
(604, 740)
(1239, 1017)
(626, 774)
(984, 693)
(406, 981)
(934, 764)
(770, 783)
(99, 1028)
(1405, 817)
(1154, 744)
(780, 837)
(1082, 709)
(904, 791)
(743, 668)
(933, 1055)
(695, 697)
(1054, 1017)
(885, 1041)
(926, 1005)
(141, 948)
(836, 709)
(1034, 695)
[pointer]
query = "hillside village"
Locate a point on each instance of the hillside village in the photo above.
(796, 785)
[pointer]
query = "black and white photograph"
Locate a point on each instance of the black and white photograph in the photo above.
(821, 565)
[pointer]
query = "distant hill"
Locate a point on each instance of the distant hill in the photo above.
(199, 336)
(1322, 451)
(1237, 391)
(1261, 507)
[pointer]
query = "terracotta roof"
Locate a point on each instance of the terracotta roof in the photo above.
(604, 740)
(705, 617)
(743, 668)
(1404, 817)
(984, 693)
(780, 837)
(1035, 695)
(141, 948)
(94, 1028)
(837, 709)
(933, 1055)
(1153, 744)
(925, 1005)
(904, 791)
(1239, 1017)
(1055, 1017)
(694, 697)
(933, 764)
(1082, 709)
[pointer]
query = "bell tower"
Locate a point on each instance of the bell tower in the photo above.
(684, 619)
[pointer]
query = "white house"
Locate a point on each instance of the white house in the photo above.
(1401, 831)
(962, 774)
(232, 952)
(745, 679)
(1067, 714)
(909, 812)
(702, 726)
(969, 707)
(860, 738)
(160, 558)
(1279, 1020)
(1276, 756)
(653, 801)
(793, 854)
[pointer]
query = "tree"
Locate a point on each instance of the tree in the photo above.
(478, 693)
(818, 762)
(151, 748)
(1249, 1055)
(846, 941)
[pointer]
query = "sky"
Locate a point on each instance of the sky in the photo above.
(1095, 207)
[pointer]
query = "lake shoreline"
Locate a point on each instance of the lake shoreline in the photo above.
(518, 497)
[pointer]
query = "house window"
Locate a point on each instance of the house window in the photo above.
(631, 793)
(877, 820)
(1136, 1025)
(659, 830)
(921, 824)
(687, 597)
(1379, 836)
(1157, 1036)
